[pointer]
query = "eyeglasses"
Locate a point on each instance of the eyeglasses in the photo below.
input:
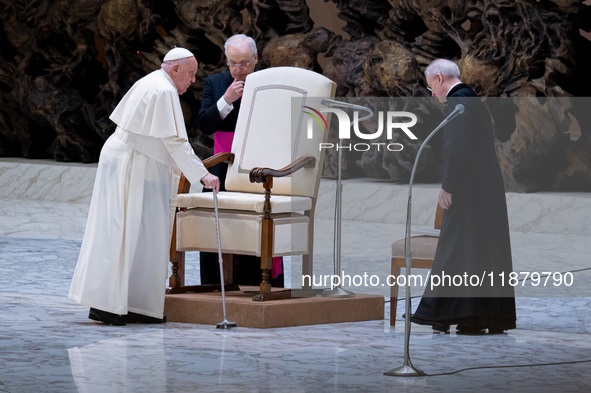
(430, 89)
(234, 65)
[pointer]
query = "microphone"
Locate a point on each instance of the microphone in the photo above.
(329, 102)
(458, 110)
(336, 104)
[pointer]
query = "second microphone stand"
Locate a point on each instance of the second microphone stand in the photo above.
(338, 291)
(407, 369)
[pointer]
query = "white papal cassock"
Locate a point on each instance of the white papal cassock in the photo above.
(123, 260)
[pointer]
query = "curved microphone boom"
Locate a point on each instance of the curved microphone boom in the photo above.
(407, 369)
(340, 104)
(331, 102)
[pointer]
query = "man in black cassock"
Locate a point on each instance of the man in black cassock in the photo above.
(474, 239)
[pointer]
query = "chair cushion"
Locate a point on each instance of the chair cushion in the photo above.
(245, 202)
(240, 232)
(422, 247)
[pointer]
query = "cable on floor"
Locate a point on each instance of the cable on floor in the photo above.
(508, 366)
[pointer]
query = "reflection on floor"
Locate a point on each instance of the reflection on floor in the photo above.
(47, 344)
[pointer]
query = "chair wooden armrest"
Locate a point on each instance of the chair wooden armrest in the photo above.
(218, 158)
(185, 184)
(259, 175)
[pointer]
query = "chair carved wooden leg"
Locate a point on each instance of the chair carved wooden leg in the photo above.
(307, 259)
(267, 229)
(267, 250)
(177, 258)
(394, 290)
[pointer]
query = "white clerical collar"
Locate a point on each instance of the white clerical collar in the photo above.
(455, 84)
(168, 77)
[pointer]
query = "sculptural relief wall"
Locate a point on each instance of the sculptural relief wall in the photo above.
(65, 64)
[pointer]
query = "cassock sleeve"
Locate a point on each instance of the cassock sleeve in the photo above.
(183, 155)
(458, 149)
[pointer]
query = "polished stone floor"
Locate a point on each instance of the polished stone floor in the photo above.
(47, 344)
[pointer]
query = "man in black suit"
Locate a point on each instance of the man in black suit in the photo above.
(222, 93)
(474, 237)
(220, 104)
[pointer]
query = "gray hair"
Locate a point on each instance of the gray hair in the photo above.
(237, 39)
(444, 67)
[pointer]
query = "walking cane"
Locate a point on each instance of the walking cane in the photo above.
(225, 324)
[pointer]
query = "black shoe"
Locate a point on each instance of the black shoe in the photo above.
(496, 330)
(132, 317)
(105, 317)
(416, 320)
(465, 329)
(440, 327)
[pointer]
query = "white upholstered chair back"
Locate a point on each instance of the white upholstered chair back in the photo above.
(272, 129)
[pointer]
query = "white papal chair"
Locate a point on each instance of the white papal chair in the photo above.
(272, 179)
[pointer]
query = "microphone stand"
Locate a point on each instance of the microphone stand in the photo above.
(407, 369)
(338, 291)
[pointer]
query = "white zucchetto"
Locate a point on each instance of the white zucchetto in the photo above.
(177, 54)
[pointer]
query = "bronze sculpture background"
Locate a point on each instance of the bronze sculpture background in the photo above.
(65, 64)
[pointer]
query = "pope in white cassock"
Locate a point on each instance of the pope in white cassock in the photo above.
(122, 267)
